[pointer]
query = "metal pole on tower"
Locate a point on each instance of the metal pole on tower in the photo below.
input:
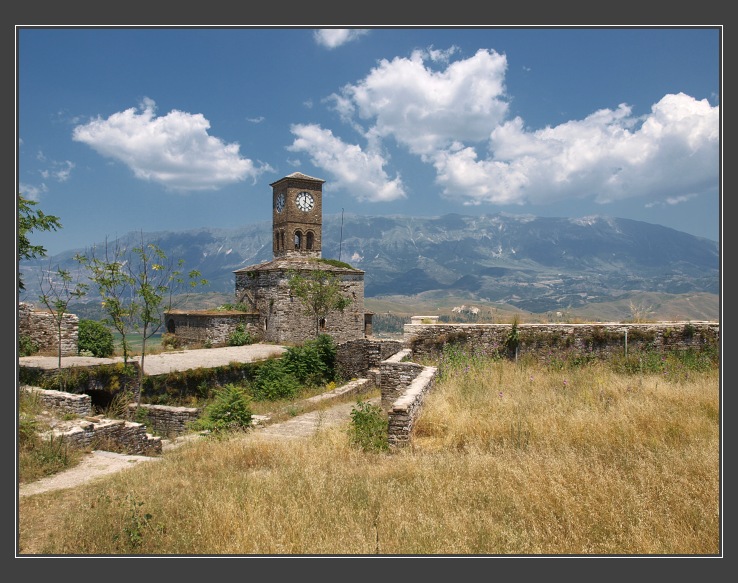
(340, 243)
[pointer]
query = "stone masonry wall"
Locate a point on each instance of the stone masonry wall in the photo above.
(41, 328)
(117, 434)
(405, 411)
(283, 317)
(201, 327)
(546, 339)
(355, 358)
(58, 400)
(166, 420)
(395, 376)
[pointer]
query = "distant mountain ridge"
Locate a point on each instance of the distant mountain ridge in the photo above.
(537, 264)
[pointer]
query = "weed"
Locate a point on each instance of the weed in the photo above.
(368, 429)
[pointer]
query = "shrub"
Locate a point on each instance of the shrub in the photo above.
(313, 363)
(230, 410)
(170, 341)
(240, 337)
(26, 346)
(274, 381)
(95, 338)
(368, 429)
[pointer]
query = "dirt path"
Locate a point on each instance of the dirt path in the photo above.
(101, 463)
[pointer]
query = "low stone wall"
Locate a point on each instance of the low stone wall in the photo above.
(41, 328)
(395, 376)
(166, 420)
(60, 401)
(355, 358)
(210, 327)
(542, 340)
(405, 411)
(111, 434)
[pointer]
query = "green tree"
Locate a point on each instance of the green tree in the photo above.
(107, 269)
(319, 293)
(137, 286)
(30, 220)
(57, 290)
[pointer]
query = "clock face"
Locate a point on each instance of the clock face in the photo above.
(304, 201)
(280, 202)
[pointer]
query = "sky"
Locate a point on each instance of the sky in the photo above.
(151, 129)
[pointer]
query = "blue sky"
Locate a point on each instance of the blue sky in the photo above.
(169, 129)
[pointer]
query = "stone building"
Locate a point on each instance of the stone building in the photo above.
(275, 315)
(297, 224)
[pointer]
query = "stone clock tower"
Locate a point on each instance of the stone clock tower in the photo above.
(297, 234)
(297, 216)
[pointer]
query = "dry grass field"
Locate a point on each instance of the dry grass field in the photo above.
(507, 459)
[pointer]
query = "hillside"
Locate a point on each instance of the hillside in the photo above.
(592, 265)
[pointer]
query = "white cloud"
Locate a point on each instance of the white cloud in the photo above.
(454, 115)
(608, 156)
(335, 37)
(32, 192)
(60, 171)
(174, 150)
(427, 110)
(359, 173)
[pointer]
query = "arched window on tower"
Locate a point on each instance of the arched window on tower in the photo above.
(276, 241)
(281, 234)
(309, 241)
(298, 240)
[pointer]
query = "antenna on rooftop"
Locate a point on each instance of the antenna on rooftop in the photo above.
(340, 243)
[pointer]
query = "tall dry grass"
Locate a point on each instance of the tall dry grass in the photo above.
(507, 459)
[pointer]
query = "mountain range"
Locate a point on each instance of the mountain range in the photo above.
(537, 264)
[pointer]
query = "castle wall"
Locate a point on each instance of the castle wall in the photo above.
(544, 340)
(283, 316)
(203, 327)
(41, 328)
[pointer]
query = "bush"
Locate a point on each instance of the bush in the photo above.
(368, 429)
(26, 346)
(313, 363)
(274, 381)
(95, 338)
(170, 341)
(240, 337)
(229, 411)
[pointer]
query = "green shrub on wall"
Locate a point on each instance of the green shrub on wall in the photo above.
(110, 378)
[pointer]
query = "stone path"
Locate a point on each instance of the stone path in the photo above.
(102, 463)
(170, 361)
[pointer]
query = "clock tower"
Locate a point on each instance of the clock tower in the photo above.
(297, 216)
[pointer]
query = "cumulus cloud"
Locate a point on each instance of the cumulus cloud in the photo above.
(454, 115)
(174, 150)
(426, 109)
(335, 37)
(360, 173)
(610, 155)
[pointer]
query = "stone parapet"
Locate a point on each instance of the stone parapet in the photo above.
(542, 340)
(405, 410)
(76, 404)
(42, 328)
(110, 434)
(166, 420)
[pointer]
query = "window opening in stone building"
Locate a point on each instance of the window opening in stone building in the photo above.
(298, 240)
(321, 324)
(282, 236)
(309, 241)
(171, 326)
